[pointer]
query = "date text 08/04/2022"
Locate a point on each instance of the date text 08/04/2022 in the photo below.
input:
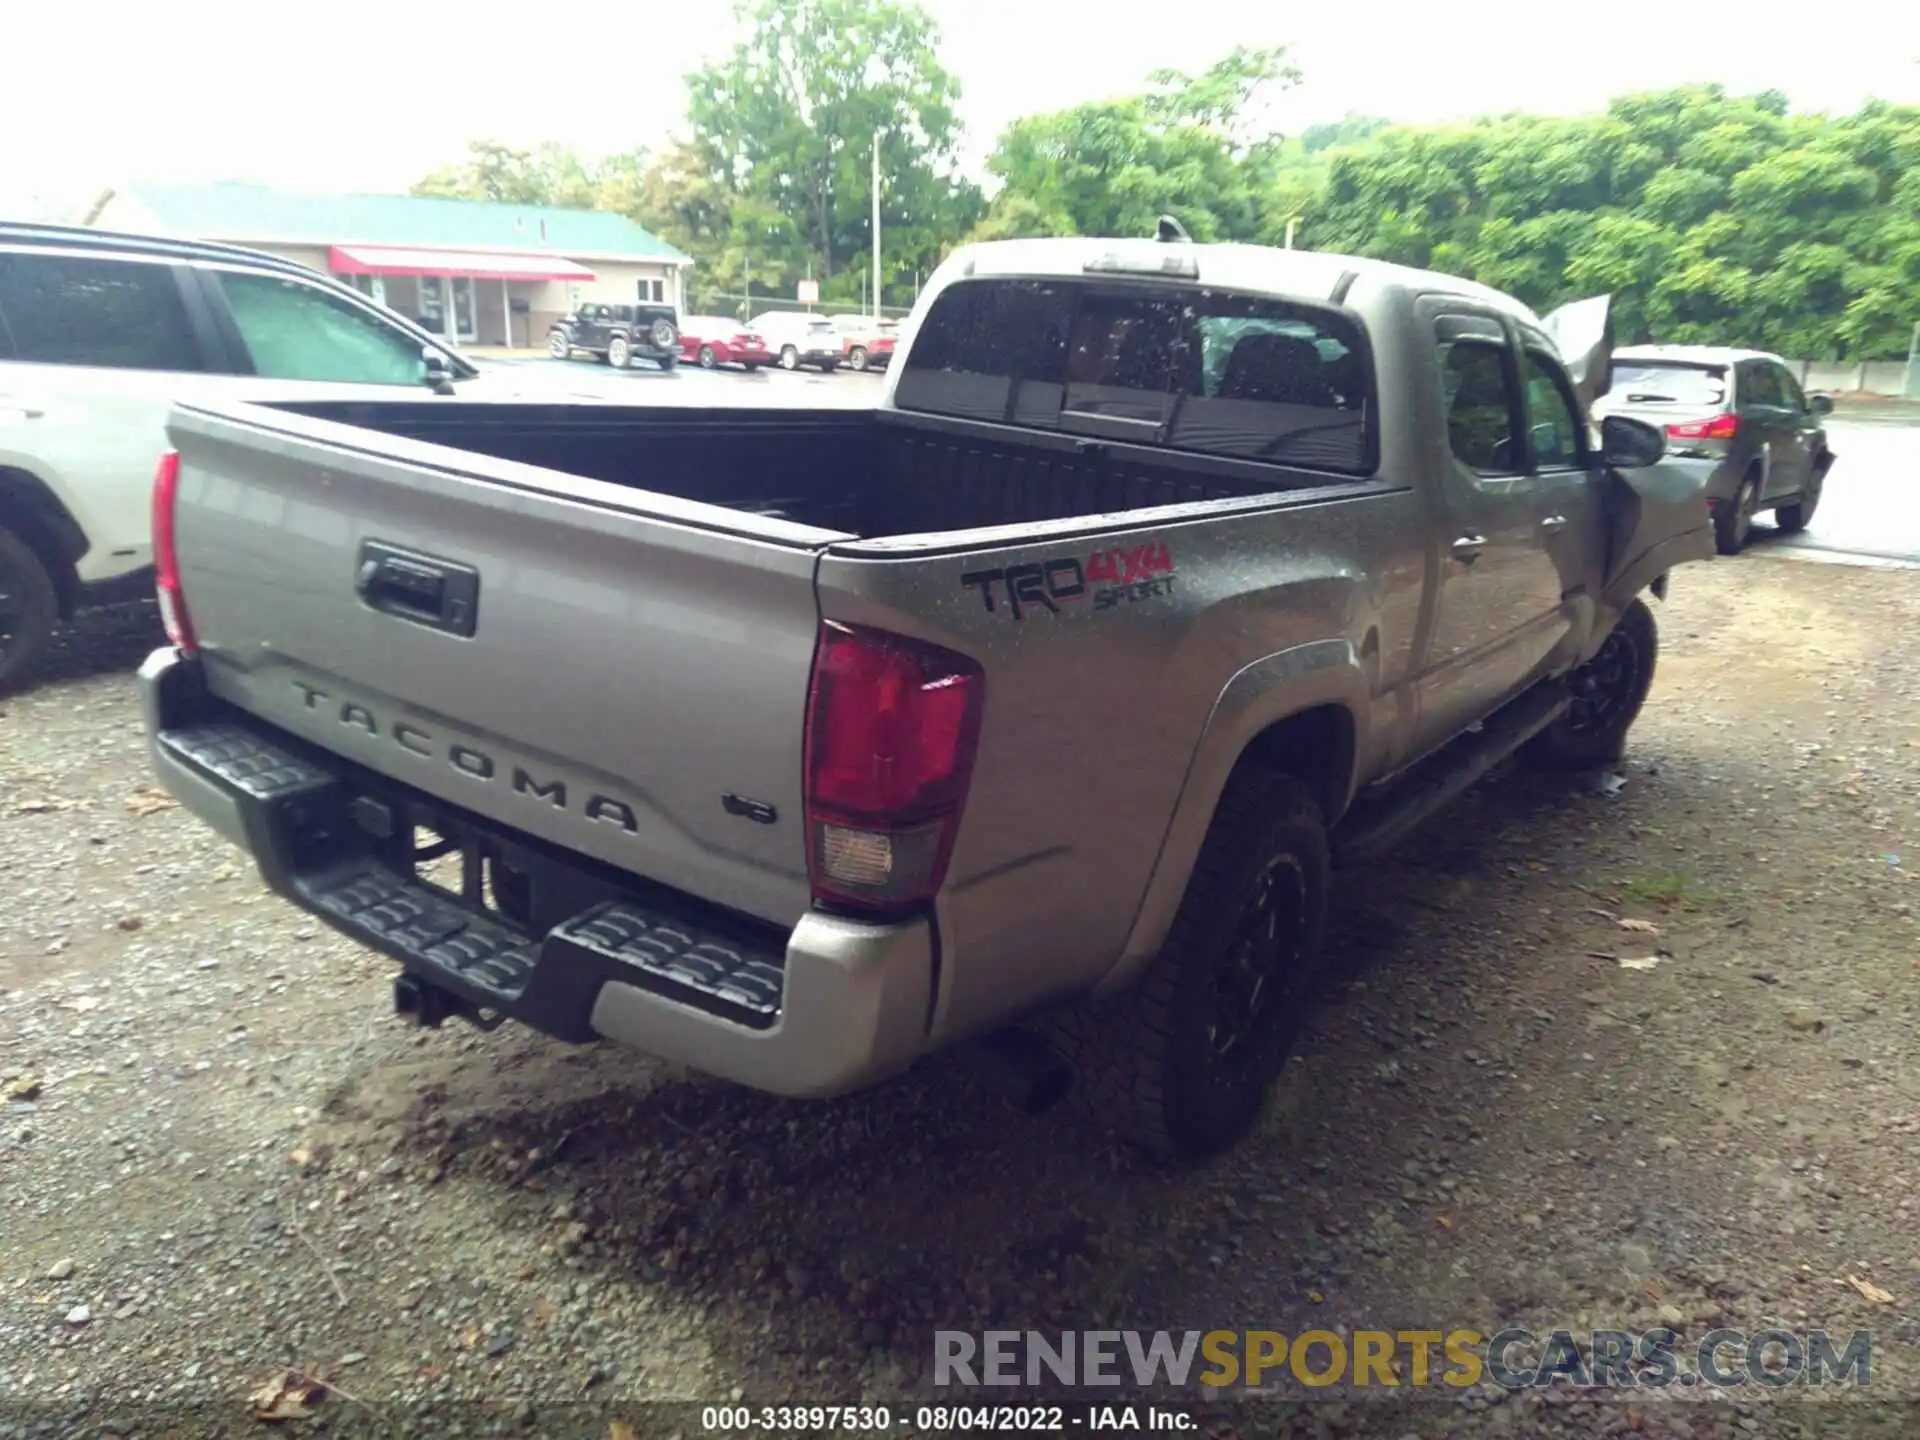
(1004, 1419)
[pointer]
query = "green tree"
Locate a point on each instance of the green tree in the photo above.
(1350, 130)
(1710, 217)
(548, 175)
(1192, 146)
(787, 122)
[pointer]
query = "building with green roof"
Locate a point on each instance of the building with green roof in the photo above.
(478, 272)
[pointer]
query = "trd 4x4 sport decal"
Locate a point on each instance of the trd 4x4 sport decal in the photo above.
(1120, 576)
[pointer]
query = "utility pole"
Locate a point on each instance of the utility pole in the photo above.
(876, 224)
(1292, 220)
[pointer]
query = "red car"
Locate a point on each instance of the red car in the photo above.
(867, 344)
(710, 340)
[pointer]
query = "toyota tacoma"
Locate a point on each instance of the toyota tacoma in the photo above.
(1033, 705)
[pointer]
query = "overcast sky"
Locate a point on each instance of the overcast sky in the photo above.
(369, 98)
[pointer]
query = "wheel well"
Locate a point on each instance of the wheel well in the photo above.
(33, 512)
(1314, 746)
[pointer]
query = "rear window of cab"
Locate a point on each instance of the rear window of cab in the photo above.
(1204, 371)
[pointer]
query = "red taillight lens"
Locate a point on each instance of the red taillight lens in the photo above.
(1720, 427)
(892, 727)
(166, 554)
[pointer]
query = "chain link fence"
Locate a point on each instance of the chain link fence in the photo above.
(1891, 378)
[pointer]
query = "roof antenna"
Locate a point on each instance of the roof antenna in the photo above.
(1171, 231)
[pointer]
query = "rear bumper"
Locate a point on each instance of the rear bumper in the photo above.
(829, 1007)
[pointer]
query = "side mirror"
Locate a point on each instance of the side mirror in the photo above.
(1820, 404)
(436, 371)
(1628, 444)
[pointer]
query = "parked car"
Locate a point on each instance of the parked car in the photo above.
(868, 343)
(618, 334)
(99, 333)
(1032, 705)
(711, 340)
(797, 338)
(1745, 415)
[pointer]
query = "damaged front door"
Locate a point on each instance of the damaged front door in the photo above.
(1655, 515)
(1582, 331)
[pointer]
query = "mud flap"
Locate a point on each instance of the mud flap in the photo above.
(1657, 518)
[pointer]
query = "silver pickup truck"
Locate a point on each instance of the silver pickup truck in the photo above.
(1031, 705)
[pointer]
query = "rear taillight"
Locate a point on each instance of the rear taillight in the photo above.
(1720, 427)
(892, 726)
(166, 554)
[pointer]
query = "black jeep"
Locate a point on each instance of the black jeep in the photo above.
(618, 334)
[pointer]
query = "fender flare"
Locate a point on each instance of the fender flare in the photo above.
(30, 508)
(1263, 694)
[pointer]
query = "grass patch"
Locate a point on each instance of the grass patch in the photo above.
(1665, 889)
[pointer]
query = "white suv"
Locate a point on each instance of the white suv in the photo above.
(99, 335)
(798, 337)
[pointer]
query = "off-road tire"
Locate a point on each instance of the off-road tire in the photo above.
(1733, 522)
(1792, 518)
(667, 362)
(619, 353)
(559, 345)
(1148, 1062)
(1594, 729)
(29, 611)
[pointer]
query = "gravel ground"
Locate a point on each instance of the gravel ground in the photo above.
(221, 1158)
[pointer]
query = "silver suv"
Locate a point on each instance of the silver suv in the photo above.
(1744, 413)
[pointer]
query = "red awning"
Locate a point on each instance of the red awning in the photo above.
(394, 260)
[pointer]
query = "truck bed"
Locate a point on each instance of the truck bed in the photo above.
(860, 473)
(645, 590)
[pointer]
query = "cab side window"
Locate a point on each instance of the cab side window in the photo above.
(75, 310)
(296, 331)
(1480, 406)
(1762, 386)
(1553, 417)
(1795, 397)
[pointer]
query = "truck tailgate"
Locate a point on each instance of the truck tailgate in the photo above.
(624, 664)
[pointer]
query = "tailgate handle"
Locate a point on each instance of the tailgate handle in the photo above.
(439, 594)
